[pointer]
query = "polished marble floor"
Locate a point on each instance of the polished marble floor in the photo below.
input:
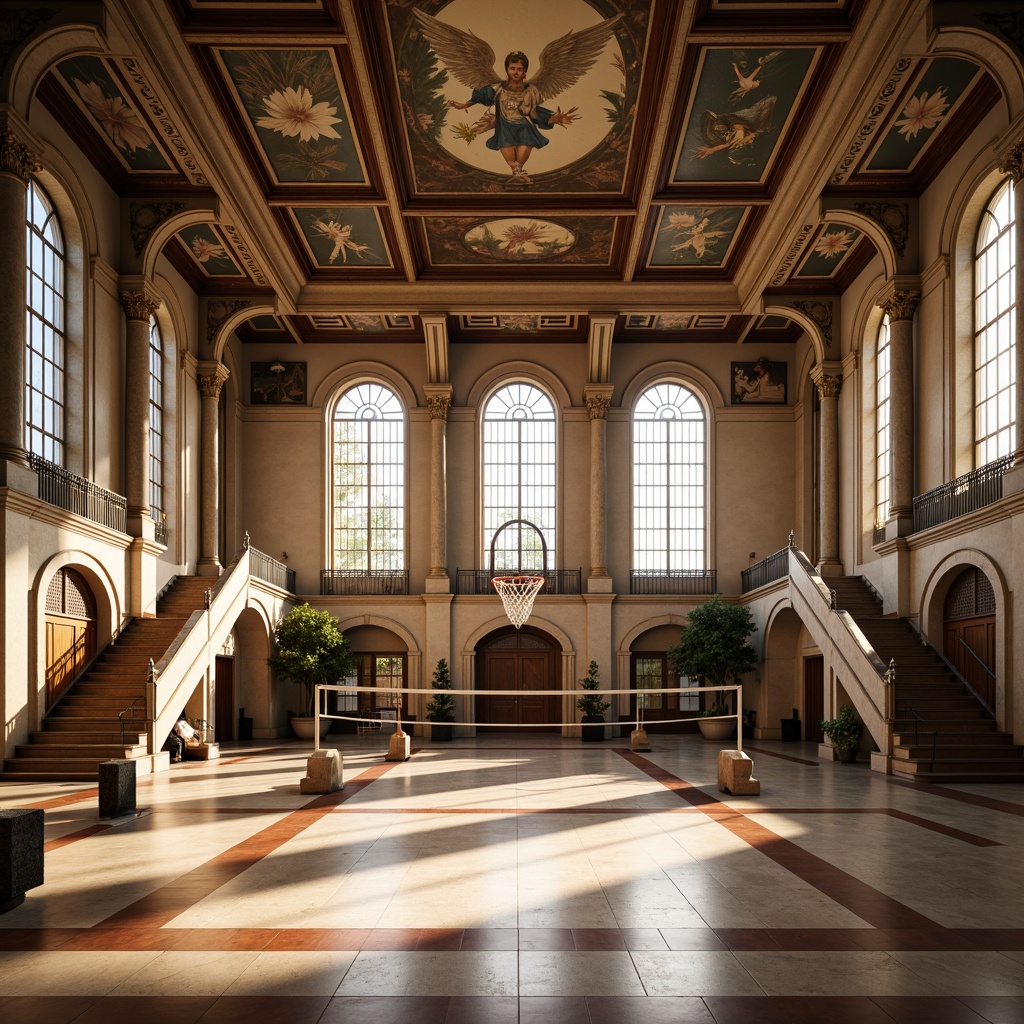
(522, 878)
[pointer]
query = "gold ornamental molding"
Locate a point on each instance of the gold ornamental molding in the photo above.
(598, 406)
(1013, 163)
(15, 157)
(211, 382)
(821, 313)
(145, 218)
(900, 305)
(893, 218)
(438, 406)
(138, 306)
(829, 385)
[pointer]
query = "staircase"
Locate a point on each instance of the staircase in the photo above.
(83, 728)
(967, 744)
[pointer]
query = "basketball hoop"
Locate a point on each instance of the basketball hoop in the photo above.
(517, 594)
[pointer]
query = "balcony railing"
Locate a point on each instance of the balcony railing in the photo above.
(768, 570)
(63, 489)
(271, 571)
(556, 581)
(673, 581)
(965, 494)
(384, 582)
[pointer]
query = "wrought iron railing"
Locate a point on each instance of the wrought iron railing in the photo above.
(878, 535)
(66, 490)
(339, 582)
(556, 581)
(673, 581)
(271, 571)
(160, 533)
(768, 570)
(965, 494)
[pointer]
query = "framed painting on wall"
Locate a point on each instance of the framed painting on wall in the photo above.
(760, 382)
(277, 383)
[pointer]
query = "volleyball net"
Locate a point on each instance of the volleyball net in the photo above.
(394, 698)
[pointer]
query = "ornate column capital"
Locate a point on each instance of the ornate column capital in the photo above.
(210, 378)
(137, 305)
(1013, 163)
(439, 400)
(900, 305)
(15, 157)
(829, 385)
(598, 400)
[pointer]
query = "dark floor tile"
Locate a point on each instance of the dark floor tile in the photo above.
(997, 1009)
(553, 1010)
(385, 1010)
(643, 938)
(644, 1010)
(490, 938)
(151, 1009)
(43, 1009)
(483, 1010)
(746, 938)
(597, 938)
(796, 1010)
(264, 1009)
(692, 938)
(546, 938)
(928, 1010)
(392, 938)
(440, 938)
(813, 938)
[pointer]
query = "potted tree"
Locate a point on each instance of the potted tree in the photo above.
(844, 733)
(309, 648)
(714, 646)
(441, 707)
(592, 706)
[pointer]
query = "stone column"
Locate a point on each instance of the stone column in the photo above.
(138, 310)
(210, 379)
(1013, 165)
(17, 162)
(829, 387)
(439, 401)
(900, 307)
(598, 399)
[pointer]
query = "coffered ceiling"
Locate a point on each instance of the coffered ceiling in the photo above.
(354, 178)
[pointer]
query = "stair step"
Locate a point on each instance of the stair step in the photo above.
(958, 751)
(72, 751)
(132, 737)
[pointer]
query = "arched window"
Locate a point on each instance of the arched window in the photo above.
(44, 352)
(995, 302)
(156, 421)
(882, 442)
(368, 480)
(669, 455)
(519, 478)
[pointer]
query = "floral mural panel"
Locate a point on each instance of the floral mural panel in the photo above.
(94, 90)
(296, 108)
(829, 251)
(696, 236)
(343, 237)
(739, 112)
(933, 99)
(475, 241)
(208, 251)
(524, 98)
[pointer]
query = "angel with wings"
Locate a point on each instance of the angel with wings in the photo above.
(518, 111)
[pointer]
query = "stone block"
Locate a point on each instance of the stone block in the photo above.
(399, 747)
(323, 772)
(638, 740)
(117, 788)
(21, 854)
(734, 774)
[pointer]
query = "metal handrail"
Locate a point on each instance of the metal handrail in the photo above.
(954, 671)
(974, 654)
(61, 488)
(918, 719)
(673, 581)
(967, 493)
(389, 582)
(124, 711)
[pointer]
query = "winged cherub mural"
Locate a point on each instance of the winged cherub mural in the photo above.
(518, 116)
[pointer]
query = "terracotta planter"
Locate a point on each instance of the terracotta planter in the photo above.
(717, 728)
(304, 727)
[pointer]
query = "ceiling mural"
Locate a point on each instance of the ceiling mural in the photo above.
(695, 236)
(208, 251)
(348, 237)
(294, 104)
(744, 103)
(475, 241)
(833, 245)
(91, 85)
(503, 97)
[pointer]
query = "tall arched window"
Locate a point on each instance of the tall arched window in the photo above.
(519, 478)
(368, 480)
(156, 421)
(44, 330)
(995, 308)
(882, 442)
(669, 455)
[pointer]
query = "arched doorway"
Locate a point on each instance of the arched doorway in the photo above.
(518, 660)
(969, 631)
(650, 668)
(70, 630)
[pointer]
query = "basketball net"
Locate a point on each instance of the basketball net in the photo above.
(517, 594)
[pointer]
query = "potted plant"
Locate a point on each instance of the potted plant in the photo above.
(714, 646)
(309, 648)
(844, 733)
(441, 707)
(592, 706)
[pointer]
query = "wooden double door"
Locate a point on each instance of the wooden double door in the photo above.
(518, 662)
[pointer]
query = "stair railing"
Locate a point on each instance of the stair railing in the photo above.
(131, 708)
(126, 621)
(954, 671)
(918, 719)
